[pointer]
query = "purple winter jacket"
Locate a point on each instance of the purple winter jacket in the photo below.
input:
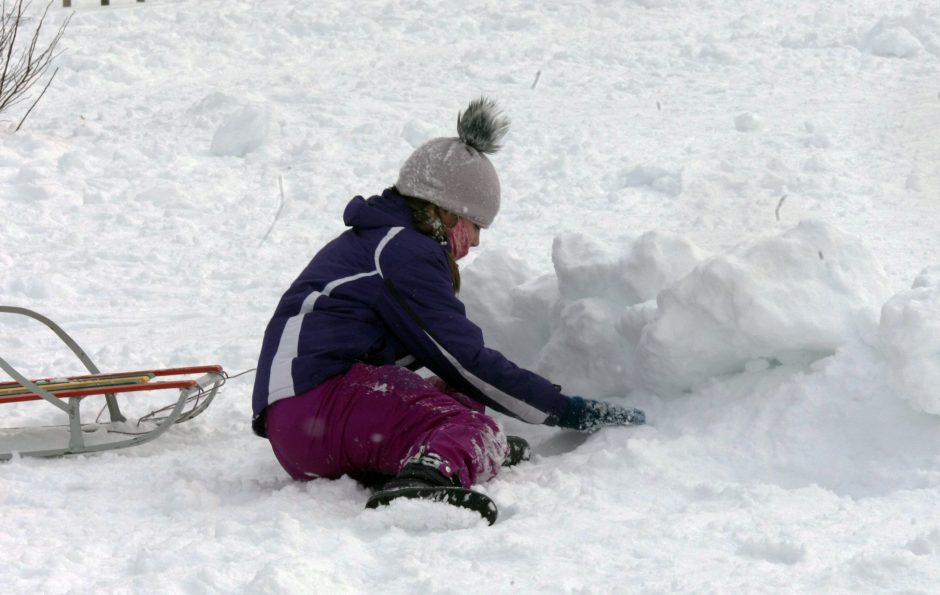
(381, 293)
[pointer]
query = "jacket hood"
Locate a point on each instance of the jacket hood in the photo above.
(388, 209)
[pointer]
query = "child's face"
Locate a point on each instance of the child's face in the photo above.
(462, 236)
(473, 231)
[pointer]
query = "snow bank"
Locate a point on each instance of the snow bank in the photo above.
(910, 339)
(772, 344)
(793, 298)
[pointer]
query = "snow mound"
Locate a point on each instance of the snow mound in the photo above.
(902, 36)
(929, 277)
(650, 312)
(746, 122)
(516, 320)
(776, 551)
(242, 132)
(788, 299)
(600, 307)
(910, 339)
(632, 272)
(579, 325)
(416, 133)
(895, 42)
(655, 178)
(926, 544)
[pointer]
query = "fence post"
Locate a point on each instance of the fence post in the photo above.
(68, 3)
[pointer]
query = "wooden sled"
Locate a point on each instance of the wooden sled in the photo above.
(197, 387)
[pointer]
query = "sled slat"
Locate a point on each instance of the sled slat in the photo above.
(101, 390)
(99, 384)
(70, 383)
(163, 372)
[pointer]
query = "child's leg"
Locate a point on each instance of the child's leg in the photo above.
(298, 430)
(372, 419)
(398, 415)
(458, 396)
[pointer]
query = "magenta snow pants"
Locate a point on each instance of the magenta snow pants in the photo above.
(370, 420)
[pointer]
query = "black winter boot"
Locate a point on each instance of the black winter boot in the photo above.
(422, 471)
(519, 451)
(421, 478)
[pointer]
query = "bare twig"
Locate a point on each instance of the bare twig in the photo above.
(280, 184)
(538, 75)
(779, 204)
(24, 64)
(26, 115)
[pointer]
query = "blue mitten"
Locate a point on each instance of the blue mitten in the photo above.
(588, 415)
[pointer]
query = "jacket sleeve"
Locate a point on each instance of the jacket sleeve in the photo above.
(419, 307)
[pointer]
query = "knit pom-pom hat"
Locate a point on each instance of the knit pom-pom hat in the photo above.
(454, 173)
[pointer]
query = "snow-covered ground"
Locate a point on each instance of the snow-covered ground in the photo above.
(725, 213)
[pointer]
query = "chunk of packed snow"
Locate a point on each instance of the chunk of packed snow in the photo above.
(790, 298)
(656, 178)
(910, 339)
(602, 289)
(897, 42)
(501, 297)
(628, 271)
(902, 36)
(579, 326)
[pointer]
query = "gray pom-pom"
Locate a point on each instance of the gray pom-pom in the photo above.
(482, 126)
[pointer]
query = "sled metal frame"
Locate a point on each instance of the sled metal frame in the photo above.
(199, 391)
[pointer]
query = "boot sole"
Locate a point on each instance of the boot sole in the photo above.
(455, 496)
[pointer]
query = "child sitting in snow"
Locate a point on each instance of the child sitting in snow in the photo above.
(335, 392)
